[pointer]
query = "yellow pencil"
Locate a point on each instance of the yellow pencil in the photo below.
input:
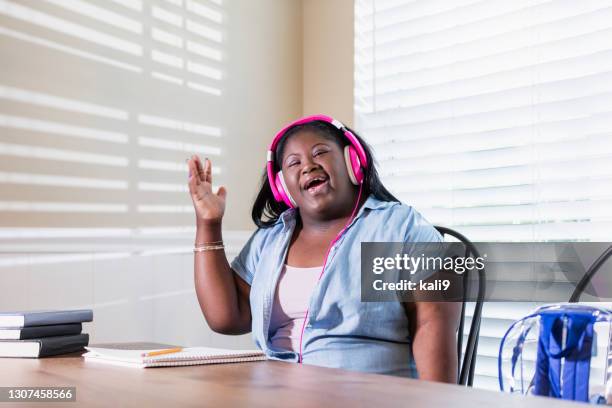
(160, 352)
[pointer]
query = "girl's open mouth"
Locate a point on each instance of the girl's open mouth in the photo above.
(317, 186)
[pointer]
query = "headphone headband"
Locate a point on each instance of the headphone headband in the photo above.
(324, 118)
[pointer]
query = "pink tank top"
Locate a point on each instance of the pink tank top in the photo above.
(291, 300)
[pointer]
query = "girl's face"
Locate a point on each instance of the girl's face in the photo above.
(316, 176)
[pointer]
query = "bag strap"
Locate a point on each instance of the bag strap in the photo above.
(516, 351)
(570, 380)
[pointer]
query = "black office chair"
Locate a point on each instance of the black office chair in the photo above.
(582, 284)
(466, 367)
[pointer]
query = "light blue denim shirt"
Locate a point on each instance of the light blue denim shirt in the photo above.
(341, 331)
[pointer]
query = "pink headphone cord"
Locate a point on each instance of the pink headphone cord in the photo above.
(325, 263)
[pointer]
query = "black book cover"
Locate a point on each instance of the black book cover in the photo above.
(43, 347)
(36, 332)
(51, 346)
(44, 317)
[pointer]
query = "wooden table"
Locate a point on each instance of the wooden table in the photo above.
(264, 384)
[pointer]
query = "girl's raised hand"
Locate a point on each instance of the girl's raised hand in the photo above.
(209, 206)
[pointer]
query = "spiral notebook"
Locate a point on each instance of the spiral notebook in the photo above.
(187, 357)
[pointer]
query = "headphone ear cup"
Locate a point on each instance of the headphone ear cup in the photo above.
(283, 191)
(353, 165)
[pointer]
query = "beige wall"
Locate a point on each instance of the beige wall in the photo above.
(328, 58)
(282, 59)
(261, 90)
(266, 76)
(274, 72)
(140, 288)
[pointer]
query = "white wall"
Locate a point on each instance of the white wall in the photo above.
(136, 294)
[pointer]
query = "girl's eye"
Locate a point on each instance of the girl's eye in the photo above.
(320, 152)
(293, 163)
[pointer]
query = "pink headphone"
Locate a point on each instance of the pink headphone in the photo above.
(354, 157)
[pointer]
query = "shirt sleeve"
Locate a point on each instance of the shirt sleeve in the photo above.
(422, 238)
(421, 230)
(245, 263)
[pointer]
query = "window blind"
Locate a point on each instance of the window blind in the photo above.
(493, 118)
(100, 105)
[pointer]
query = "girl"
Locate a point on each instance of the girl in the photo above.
(296, 283)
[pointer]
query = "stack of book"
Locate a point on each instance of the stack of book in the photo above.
(43, 333)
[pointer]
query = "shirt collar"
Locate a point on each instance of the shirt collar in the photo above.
(372, 203)
(287, 217)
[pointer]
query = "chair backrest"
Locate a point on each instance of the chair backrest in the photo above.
(468, 362)
(582, 284)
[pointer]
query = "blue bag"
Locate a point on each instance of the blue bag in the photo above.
(554, 352)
